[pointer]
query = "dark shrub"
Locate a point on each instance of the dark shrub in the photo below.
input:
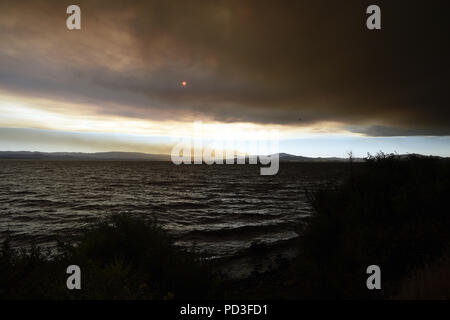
(393, 212)
(122, 258)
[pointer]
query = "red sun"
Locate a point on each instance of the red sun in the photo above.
(184, 83)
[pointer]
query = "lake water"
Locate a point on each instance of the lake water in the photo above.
(222, 209)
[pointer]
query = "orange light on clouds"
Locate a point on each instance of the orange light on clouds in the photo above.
(41, 113)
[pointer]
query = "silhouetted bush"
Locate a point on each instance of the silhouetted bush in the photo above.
(122, 258)
(392, 212)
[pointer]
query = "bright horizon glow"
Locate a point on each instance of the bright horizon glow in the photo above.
(37, 124)
(41, 113)
(25, 139)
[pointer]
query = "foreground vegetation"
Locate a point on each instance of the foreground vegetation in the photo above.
(123, 258)
(389, 211)
(393, 213)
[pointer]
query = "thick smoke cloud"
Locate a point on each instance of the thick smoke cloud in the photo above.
(282, 62)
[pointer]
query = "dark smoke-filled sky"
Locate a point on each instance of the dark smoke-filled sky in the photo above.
(310, 69)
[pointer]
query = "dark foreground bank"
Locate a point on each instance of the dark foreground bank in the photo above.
(389, 212)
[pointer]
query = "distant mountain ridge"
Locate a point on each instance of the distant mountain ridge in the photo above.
(138, 156)
(113, 155)
(286, 157)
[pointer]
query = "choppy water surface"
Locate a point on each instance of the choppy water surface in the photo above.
(222, 209)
